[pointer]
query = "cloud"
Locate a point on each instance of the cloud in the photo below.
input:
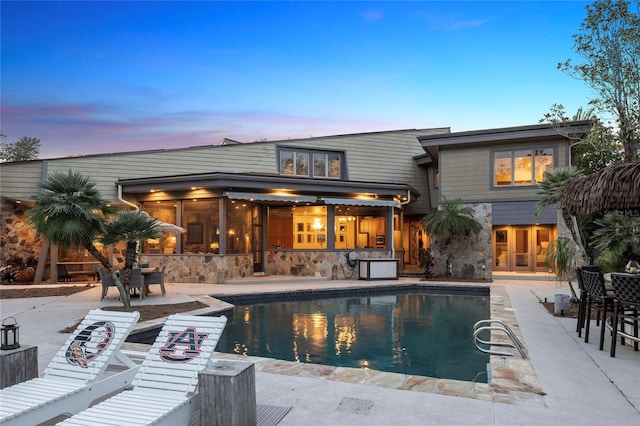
(450, 22)
(82, 129)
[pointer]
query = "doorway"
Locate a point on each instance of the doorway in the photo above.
(521, 248)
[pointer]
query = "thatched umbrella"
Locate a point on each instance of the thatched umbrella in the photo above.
(614, 188)
(167, 228)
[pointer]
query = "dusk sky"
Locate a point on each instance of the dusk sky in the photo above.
(99, 77)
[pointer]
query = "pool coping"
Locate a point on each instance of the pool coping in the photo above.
(513, 379)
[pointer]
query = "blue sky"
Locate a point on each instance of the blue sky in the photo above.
(97, 77)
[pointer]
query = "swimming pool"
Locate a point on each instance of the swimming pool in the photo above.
(406, 331)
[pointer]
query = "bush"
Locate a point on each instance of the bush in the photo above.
(427, 262)
(19, 268)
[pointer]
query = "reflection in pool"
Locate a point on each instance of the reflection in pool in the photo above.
(410, 333)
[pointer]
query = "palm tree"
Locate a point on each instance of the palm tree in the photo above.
(561, 260)
(70, 212)
(550, 191)
(131, 226)
(451, 219)
(617, 232)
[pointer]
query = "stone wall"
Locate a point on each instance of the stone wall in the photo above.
(201, 268)
(16, 237)
(467, 251)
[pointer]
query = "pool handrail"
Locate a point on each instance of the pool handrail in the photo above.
(479, 327)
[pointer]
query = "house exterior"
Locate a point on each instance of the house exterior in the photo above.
(301, 206)
(497, 171)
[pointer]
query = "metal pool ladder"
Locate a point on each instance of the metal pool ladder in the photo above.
(483, 325)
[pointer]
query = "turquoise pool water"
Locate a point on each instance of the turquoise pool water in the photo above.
(403, 332)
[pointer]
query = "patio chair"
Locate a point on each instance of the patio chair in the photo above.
(137, 282)
(77, 375)
(597, 298)
(165, 388)
(63, 273)
(155, 277)
(625, 309)
(582, 306)
(107, 281)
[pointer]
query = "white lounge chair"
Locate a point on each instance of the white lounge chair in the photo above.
(77, 375)
(164, 389)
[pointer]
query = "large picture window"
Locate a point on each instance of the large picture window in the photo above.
(164, 211)
(200, 219)
(298, 227)
(300, 162)
(521, 167)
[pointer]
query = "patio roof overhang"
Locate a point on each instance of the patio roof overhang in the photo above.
(360, 202)
(256, 196)
(216, 184)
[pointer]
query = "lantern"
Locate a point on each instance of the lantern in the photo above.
(9, 334)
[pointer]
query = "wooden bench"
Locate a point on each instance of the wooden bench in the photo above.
(83, 268)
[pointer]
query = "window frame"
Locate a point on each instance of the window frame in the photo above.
(534, 153)
(294, 154)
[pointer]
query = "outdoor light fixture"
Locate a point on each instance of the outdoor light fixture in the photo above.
(9, 335)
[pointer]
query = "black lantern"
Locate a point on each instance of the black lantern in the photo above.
(9, 334)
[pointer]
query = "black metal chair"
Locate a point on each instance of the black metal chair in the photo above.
(625, 309)
(63, 274)
(597, 298)
(582, 306)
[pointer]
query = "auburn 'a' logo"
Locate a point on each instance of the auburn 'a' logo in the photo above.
(182, 346)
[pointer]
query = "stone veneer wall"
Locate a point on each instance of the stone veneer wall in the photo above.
(16, 238)
(201, 268)
(472, 250)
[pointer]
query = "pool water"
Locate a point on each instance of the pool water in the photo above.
(410, 333)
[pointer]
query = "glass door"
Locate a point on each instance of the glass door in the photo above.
(501, 249)
(521, 245)
(543, 237)
(521, 248)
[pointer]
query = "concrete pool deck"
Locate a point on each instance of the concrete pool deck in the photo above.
(579, 384)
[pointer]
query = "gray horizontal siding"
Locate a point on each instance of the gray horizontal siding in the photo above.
(20, 181)
(466, 174)
(520, 213)
(377, 157)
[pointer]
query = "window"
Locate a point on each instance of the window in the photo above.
(360, 227)
(164, 211)
(238, 227)
(310, 163)
(200, 220)
(299, 227)
(521, 167)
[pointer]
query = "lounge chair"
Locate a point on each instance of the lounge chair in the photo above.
(165, 388)
(77, 375)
